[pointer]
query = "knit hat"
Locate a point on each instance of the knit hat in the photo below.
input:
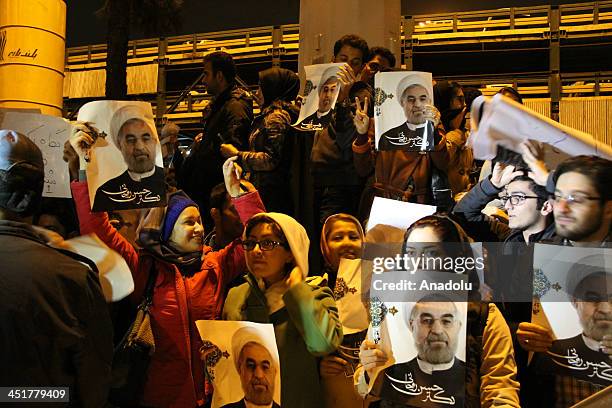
(21, 173)
(176, 205)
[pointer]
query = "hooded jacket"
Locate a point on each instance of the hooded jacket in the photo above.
(175, 376)
(306, 324)
(271, 140)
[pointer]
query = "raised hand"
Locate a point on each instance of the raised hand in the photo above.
(231, 176)
(432, 114)
(81, 139)
(503, 174)
(361, 118)
(347, 79)
(533, 154)
(228, 150)
(296, 276)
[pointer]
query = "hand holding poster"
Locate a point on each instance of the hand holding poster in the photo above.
(321, 92)
(242, 353)
(573, 286)
(500, 121)
(404, 117)
(125, 169)
(49, 133)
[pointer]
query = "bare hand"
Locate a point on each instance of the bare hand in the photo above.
(347, 80)
(81, 141)
(332, 366)
(533, 154)
(533, 337)
(432, 114)
(295, 276)
(361, 118)
(231, 176)
(228, 150)
(503, 174)
(371, 356)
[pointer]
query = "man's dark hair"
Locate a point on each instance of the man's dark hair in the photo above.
(384, 53)
(218, 197)
(539, 190)
(222, 61)
(597, 169)
(354, 41)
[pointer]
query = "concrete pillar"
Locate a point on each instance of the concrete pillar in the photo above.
(322, 22)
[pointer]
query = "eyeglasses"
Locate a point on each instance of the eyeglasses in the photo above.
(445, 321)
(516, 199)
(575, 198)
(264, 245)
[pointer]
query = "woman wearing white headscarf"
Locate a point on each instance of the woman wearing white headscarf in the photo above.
(304, 315)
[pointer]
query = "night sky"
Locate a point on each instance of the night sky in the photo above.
(200, 16)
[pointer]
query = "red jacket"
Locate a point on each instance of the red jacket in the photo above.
(175, 377)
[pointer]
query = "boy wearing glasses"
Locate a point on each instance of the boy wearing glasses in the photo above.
(526, 202)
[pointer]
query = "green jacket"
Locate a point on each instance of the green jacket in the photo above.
(306, 328)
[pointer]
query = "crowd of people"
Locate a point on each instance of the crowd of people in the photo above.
(231, 244)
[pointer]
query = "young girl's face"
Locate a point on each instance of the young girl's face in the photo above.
(270, 262)
(343, 241)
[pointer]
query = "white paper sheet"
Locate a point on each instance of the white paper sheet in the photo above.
(49, 133)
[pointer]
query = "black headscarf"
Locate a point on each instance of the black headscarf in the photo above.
(278, 84)
(443, 95)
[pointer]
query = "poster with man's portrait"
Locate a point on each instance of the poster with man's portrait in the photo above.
(320, 95)
(241, 360)
(572, 288)
(352, 311)
(402, 112)
(125, 169)
(425, 341)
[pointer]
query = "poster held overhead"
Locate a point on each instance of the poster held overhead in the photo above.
(125, 169)
(500, 121)
(400, 115)
(320, 93)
